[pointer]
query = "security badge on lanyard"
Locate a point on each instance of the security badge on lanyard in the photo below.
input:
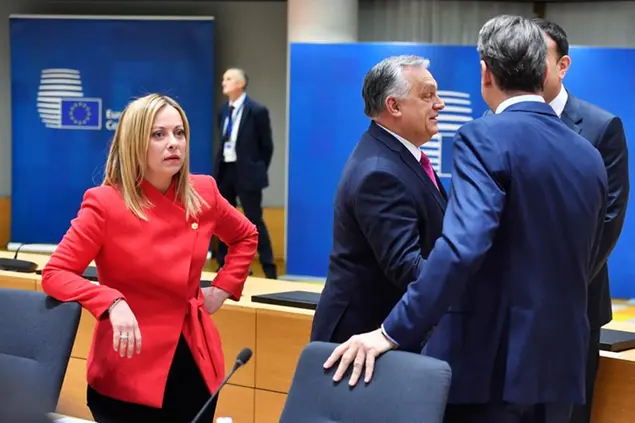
(231, 119)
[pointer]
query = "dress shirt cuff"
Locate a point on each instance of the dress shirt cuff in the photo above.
(383, 332)
(401, 330)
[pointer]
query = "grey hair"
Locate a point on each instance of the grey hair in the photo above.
(386, 79)
(515, 51)
(242, 75)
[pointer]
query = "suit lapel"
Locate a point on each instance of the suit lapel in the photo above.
(570, 115)
(243, 118)
(222, 115)
(409, 159)
(389, 141)
(442, 190)
(166, 205)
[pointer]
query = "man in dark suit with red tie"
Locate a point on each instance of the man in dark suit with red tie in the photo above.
(243, 160)
(389, 205)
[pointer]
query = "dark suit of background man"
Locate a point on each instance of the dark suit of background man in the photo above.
(389, 204)
(605, 132)
(506, 283)
(243, 160)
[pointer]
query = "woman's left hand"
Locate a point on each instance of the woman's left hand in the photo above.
(214, 298)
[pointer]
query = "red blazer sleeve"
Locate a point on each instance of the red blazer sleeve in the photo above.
(61, 276)
(241, 238)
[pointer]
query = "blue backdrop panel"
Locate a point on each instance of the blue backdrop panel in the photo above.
(326, 121)
(70, 80)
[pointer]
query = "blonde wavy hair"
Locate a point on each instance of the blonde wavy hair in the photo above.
(126, 164)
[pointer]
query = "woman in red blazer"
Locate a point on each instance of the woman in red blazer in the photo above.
(156, 355)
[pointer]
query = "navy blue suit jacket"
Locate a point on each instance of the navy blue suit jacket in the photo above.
(388, 214)
(507, 280)
(606, 134)
(254, 145)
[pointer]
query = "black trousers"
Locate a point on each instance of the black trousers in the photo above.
(582, 413)
(251, 201)
(185, 394)
(506, 413)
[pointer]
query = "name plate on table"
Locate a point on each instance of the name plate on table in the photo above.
(616, 340)
(298, 299)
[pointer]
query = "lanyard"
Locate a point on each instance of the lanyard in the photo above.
(231, 119)
(229, 145)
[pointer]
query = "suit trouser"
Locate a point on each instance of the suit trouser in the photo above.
(582, 413)
(506, 413)
(251, 201)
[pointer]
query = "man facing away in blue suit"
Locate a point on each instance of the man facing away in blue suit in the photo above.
(605, 132)
(389, 204)
(507, 280)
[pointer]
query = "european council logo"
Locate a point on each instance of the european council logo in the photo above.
(61, 102)
(457, 111)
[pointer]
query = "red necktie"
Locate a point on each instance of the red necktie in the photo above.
(427, 167)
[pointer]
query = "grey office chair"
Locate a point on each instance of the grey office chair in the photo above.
(406, 388)
(36, 338)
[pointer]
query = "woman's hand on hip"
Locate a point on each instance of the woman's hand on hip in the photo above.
(125, 330)
(214, 298)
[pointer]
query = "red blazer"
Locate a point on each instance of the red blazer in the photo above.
(156, 267)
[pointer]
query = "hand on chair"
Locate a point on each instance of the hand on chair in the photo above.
(361, 350)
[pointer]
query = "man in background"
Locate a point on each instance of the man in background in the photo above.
(389, 204)
(606, 133)
(243, 160)
(507, 280)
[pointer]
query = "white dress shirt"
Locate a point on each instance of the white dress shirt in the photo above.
(229, 149)
(558, 103)
(518, 99)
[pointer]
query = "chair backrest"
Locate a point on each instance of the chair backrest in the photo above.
(37, 334)
(406, 388)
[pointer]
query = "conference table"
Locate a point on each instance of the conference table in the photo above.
(277, 335)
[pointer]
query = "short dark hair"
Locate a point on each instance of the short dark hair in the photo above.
(556, 33)
(515, 52)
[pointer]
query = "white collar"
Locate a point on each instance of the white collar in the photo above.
(518, 99)
(410, 146)
(558, 103)
(239, 101)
